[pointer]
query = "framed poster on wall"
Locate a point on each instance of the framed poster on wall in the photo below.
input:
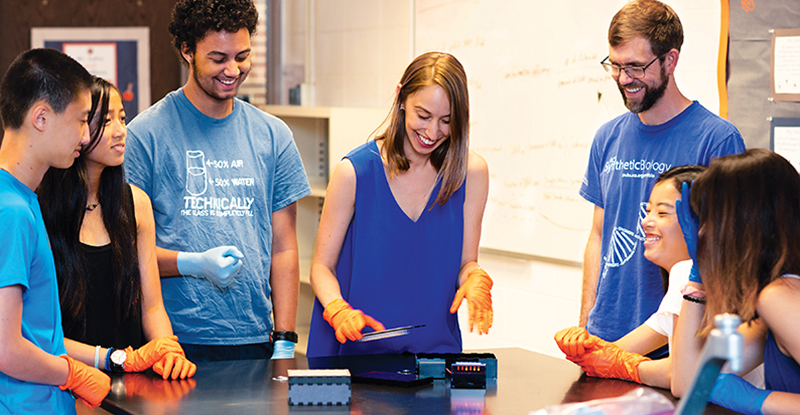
(785, 139)
(120, 55)
(785, 65)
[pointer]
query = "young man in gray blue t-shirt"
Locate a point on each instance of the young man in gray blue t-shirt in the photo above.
(224, 178)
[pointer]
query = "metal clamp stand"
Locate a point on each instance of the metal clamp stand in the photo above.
(724, 344)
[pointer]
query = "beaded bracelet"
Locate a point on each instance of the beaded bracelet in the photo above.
(692, 291)
(688, 297)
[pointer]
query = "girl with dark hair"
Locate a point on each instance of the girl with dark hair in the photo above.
(102, 234)
(399, 231)
(748, 251)
(665, 247)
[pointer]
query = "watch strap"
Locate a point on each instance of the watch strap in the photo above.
(283, 335)
(108, 359)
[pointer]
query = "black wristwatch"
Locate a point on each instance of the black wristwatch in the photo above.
(116, 359)
(283, 335)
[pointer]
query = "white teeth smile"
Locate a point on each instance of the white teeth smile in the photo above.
(228, 82)
(633, 90)
(424, 140)
(652, 238)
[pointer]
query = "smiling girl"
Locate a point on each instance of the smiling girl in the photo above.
(399, 231)
(664, 246)
(102, 234)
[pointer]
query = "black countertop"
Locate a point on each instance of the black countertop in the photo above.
(527, 381)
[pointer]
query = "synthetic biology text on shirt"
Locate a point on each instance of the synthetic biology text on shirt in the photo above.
(198, 181)
(638, 169)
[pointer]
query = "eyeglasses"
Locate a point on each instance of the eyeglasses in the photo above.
(636, 72)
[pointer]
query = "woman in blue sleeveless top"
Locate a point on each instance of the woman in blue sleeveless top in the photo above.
(399, 231)
(748, 250)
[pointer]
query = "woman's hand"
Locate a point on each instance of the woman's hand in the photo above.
(477, 290)
(347, 322)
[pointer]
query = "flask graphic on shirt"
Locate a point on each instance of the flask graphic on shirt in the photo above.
(196, 181)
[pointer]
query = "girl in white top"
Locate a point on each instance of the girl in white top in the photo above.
(663, 245)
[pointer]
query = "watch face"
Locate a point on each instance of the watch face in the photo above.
(118, 357)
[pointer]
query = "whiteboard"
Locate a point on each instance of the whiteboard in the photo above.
(537, 96)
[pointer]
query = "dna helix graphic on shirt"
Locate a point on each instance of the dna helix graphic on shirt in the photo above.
(624, 243)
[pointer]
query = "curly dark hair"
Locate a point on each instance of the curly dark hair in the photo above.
(193, 19)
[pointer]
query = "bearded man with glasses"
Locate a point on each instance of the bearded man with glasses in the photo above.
(621, 289)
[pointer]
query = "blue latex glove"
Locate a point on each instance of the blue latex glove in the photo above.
(219, 265)
(690, 228)
(734, 393)
(283, 349)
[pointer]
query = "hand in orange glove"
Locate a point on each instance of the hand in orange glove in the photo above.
(572, 342)
(347, 322)
(477, 290)
(608, 360)
(146, 356)
(87, 383)
(175, 366)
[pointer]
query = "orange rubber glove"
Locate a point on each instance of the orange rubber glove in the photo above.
(477, 290)
(146, 356)
(87, 383)
(572, 342)
(174, 366)
(347, 322)
(608, 360)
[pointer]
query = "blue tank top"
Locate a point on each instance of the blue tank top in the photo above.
(398, 271)
(781, 372)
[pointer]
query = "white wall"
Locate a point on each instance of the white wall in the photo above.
(532, 300)
(361, 48)
(255, 86)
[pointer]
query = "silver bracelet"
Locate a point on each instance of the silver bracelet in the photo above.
(96, 356)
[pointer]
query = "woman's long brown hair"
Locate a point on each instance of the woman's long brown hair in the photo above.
(749, 210)
(450, 158)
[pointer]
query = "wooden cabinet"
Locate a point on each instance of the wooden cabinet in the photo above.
(323, 135)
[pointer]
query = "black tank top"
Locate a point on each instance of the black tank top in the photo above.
(102, 327)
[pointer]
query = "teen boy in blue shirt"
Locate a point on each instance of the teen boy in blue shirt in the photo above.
(44, 104)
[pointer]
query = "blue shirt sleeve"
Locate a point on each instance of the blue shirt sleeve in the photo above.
(734, 144)
(291, 183)
(590, 185)
(137, 163)
(15, 256)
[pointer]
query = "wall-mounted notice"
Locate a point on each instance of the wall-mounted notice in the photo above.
(785, 139)
(785, 65)
(121, 55)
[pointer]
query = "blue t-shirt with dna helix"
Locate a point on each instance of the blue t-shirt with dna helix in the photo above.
(625, 159)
